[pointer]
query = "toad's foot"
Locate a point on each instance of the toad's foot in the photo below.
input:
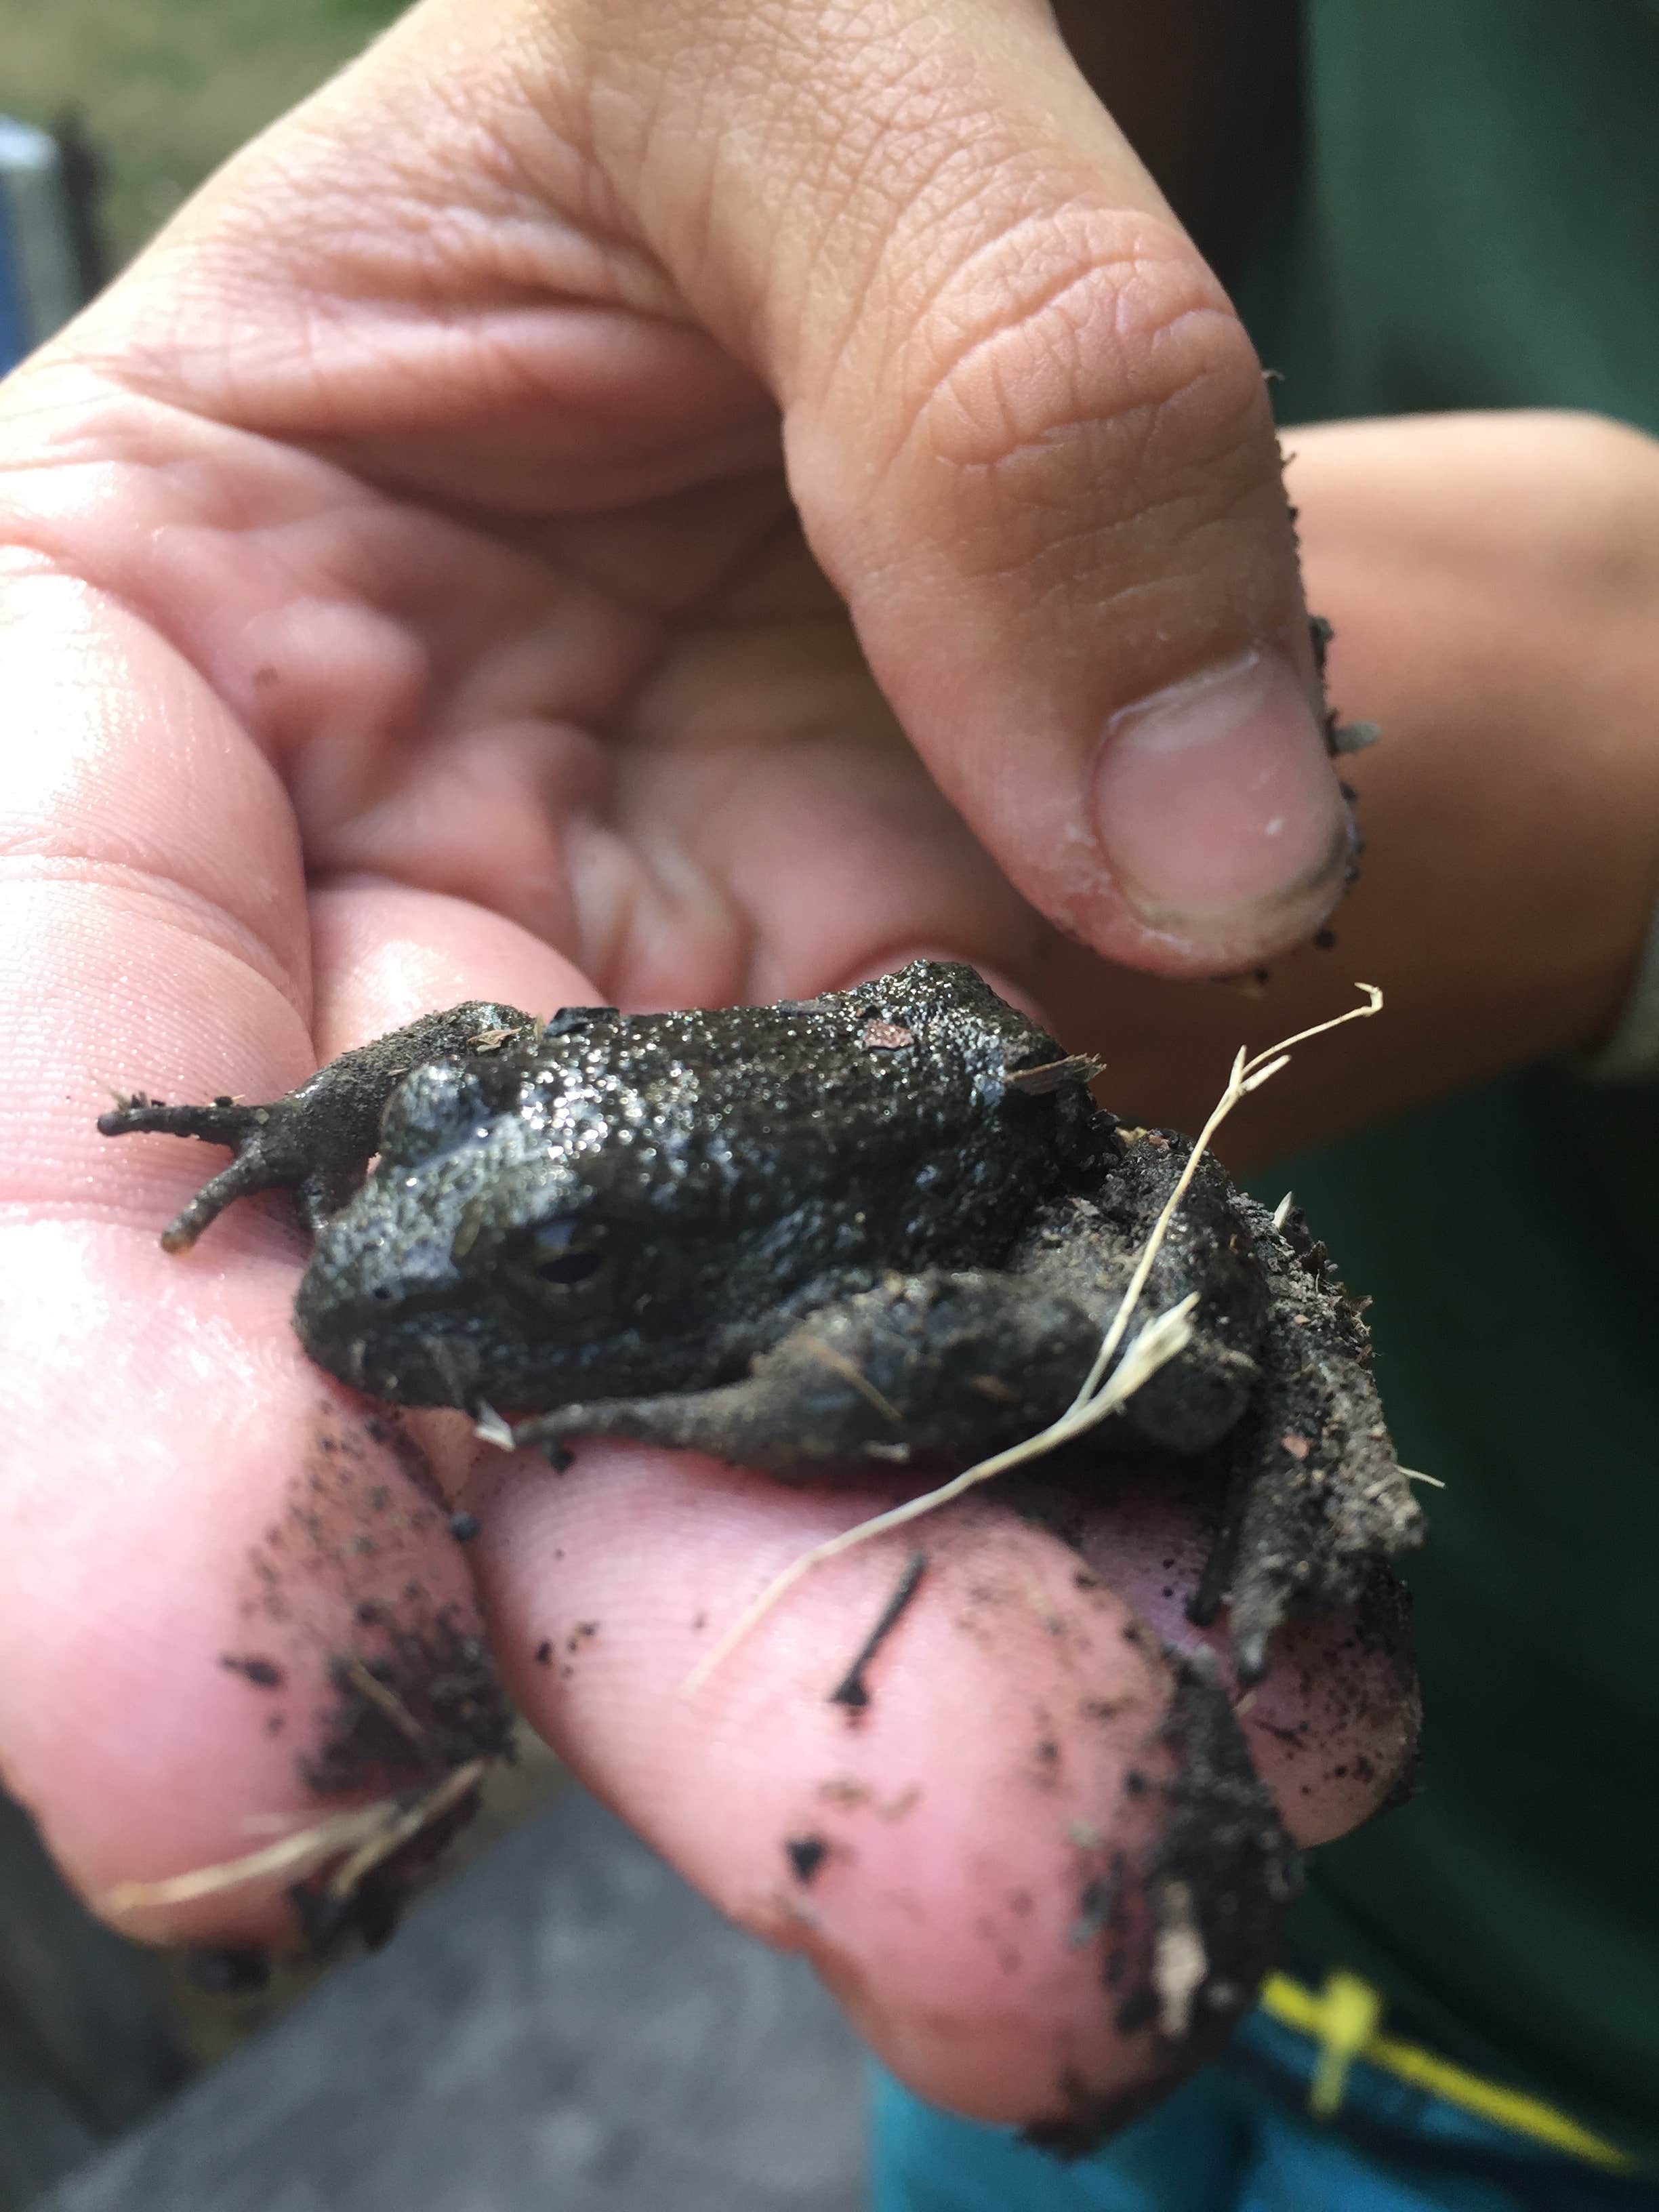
(1316, 1497)
(316, 1140)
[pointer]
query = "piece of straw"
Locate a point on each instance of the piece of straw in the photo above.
(360, 1840)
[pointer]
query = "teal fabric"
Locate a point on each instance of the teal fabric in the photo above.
(1234, 2139)
(1475, 219)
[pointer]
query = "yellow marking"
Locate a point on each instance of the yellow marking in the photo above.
(1343, 2020)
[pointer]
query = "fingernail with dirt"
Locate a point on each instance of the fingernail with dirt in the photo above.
(1219, 814)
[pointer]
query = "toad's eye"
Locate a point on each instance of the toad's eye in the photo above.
(568, 1268)
(554, 1262)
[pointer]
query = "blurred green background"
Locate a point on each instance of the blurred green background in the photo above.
(167, 89)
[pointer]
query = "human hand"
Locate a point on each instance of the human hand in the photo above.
(404, 603)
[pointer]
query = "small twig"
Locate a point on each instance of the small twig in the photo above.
(1080, 1067)
(386, 1702)
(839, 1364)
(852, 1691)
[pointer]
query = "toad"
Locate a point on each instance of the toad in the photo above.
(888, 1224)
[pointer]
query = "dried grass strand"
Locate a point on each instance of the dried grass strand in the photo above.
(366, 1838)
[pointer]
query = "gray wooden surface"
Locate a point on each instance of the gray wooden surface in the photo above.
(565, 2028)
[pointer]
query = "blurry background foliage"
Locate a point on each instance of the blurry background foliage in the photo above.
(165, 89)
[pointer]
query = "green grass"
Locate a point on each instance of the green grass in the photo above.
(167, 89)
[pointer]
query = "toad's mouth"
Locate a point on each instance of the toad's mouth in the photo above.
(414, 1350)
(408, 1365)
(396, 1343)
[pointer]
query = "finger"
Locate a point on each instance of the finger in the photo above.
(1030, 443)
(210, 1548)
(965, 1856)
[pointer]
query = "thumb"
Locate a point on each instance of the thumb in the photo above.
(1029, 441)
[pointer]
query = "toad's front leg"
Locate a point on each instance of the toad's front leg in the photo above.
(960, 1365)
(317, 1139)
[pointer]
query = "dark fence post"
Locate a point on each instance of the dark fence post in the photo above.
(52, 258)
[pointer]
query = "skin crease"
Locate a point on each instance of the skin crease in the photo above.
(401, 604)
